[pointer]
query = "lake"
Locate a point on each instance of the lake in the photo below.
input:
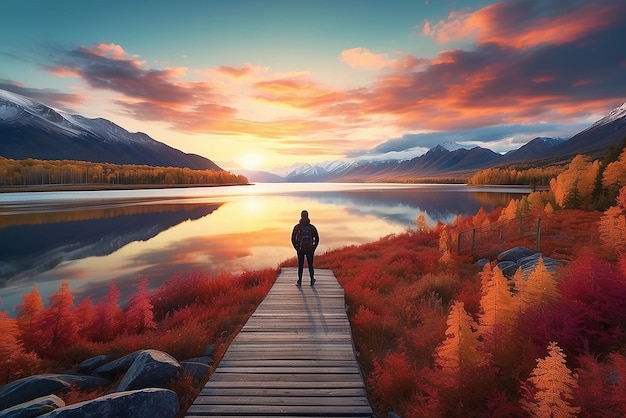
(93, 238)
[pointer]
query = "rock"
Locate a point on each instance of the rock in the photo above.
(482, 262)
(116, 367)
(85, 382)
(29, 388)
(508, 268)
(515, 254)
(34, 408)
(151, 368)
(32, 387)
(196, 369)
(89, 365)
(145, 403)
(204, 359)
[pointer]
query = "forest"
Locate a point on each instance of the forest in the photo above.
(437, 335)
(32, 172)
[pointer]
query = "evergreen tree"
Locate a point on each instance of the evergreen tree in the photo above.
(554, 384)
(139, 315)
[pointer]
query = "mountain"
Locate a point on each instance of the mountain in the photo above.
(536, 148)
(29, 129)
(442, 162)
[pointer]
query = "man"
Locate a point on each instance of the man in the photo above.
(305, 240)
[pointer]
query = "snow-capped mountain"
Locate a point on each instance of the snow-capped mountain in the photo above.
(29, 129)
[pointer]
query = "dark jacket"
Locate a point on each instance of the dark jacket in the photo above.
(295, 234)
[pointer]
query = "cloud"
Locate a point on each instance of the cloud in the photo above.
(364, 59)
(526, 23)
(52, 97)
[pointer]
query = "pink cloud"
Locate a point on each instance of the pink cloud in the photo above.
(364, 59)
(524, 24)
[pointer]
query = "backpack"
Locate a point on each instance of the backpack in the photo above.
(306, 239)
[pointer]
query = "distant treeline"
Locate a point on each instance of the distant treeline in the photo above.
(31, 172)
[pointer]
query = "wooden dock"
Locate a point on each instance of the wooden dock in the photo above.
(294, 357)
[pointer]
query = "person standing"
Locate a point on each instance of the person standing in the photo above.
(305, 240)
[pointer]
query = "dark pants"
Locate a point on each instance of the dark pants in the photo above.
(309, 261)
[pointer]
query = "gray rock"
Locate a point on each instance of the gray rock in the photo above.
(85, 382)
(508, 268)
(146, 403)
(34, 408)
(196, 369)
(482, 262)
(116, 367)
(89, 365)
(151, 368)
(204, 359)
(29, 388)
(515, 254)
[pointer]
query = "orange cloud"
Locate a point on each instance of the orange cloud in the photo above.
(520, 25)
(364, 59)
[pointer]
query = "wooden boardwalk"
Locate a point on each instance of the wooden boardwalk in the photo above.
(294, 357)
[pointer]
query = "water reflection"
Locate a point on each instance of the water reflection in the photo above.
(93, 238)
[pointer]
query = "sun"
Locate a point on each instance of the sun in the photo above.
(250, 161)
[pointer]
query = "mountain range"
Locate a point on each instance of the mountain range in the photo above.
(33, 130)
(29, 129)
(441, 162)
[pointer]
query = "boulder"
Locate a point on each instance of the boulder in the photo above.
(34, 408)
(29, 388)
(116, 367)
(482, 262)
(515, 254)
(151, 368)
(204, 359)
(508, 268)
(196, 369)
(89, 365)
(145, 403)
(85, 383)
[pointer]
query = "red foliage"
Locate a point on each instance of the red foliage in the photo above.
(108, 319)
(57, 326)
(594, 295)
(138, 315)
(394, 381)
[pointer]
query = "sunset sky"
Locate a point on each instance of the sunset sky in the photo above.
(268, 83)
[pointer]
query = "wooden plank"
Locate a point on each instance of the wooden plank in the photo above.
(294, 357)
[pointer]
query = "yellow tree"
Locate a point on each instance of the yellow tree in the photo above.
(497, 320)
(613, 224)
(510, 212)
(460, 352)
(538, 290)
(554, 384)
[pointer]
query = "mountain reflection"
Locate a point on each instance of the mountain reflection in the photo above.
(33, 243)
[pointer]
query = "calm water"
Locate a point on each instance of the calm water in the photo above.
(93, 238)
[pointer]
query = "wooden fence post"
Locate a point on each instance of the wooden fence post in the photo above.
(538, 234)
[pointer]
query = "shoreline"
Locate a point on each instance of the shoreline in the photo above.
(99, 187)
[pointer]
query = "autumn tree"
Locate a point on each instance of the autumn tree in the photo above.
(498, 311)
(422, 223)
(459, 354)
(613, 224)
(13, 358)
(538, 290)
(510, 212)
(553, 385)
(459, 361)
(57, 326)
(86, 312)
(27, 313)
(139, 314)
(575, 185)
(108, 320)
